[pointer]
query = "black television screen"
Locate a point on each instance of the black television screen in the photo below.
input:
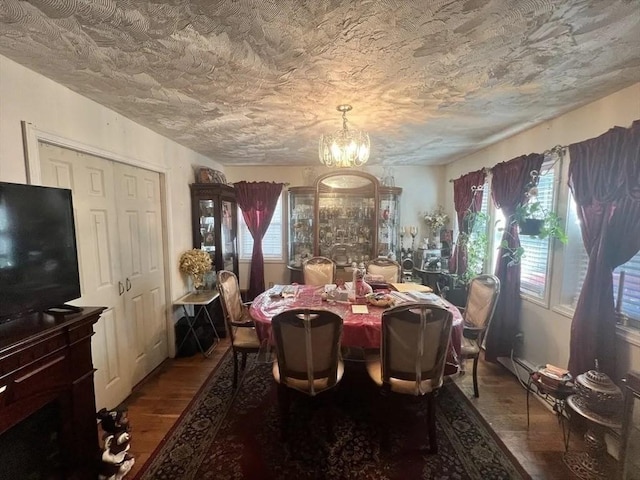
(38, 252)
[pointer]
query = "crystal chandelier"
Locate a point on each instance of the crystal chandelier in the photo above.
(344, 148)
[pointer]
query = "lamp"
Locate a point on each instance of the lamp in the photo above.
(344, 148)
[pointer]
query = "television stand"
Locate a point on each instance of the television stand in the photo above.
(63, 309)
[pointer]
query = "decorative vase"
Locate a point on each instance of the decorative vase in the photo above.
(196, 282)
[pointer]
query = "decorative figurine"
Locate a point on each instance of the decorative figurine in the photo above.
(115, 461)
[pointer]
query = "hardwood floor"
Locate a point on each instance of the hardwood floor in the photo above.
(158, 402)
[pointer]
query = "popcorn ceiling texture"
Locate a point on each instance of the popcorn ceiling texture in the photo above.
(250, 82)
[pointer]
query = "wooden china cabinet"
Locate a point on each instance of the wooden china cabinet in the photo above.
(347, 216)
(214, 220)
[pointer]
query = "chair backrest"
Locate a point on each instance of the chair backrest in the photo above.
(415, 340)
(386, 267)
(482, 297)
(307, 347)
(230, 299)
(319, 271)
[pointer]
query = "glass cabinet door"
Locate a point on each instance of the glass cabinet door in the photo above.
(346, 217)
(389, 223)
(207, 227)
(228, 235)
(301, 210)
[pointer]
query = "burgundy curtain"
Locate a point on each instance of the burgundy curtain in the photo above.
(465, 202)
(257, 200)
(508, 191)
(604, 176)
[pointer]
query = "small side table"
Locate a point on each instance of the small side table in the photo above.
(594, 463)
(199, 303)
(555, 396)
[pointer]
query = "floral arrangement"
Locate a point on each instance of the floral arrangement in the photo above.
(196, 263)
(437, 219)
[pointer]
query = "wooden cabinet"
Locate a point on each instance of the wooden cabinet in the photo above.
(346, 216)
(214, 219)
(46, 376)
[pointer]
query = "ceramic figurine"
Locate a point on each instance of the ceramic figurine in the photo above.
(115, 460)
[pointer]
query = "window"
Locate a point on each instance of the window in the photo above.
(534, 264)
(575, 270)
(477, 247)
(535, 261)
(271, 243)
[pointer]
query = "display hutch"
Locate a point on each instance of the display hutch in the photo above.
(214, 220)
(347, 216)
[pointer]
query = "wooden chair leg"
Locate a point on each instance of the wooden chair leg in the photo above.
(283, 407)
(431, 423)
(244, 360)
(475, 376)
(235, 370)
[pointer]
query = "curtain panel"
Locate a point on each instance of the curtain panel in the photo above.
(604, 177)
(257, 201)
(466, 199)
(508, 192)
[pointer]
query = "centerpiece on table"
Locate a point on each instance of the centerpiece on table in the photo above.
(195, 263)
(435, 220)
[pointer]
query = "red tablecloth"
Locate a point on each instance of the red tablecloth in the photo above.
(359, 330)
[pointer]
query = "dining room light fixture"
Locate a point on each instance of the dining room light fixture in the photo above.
(344, 148)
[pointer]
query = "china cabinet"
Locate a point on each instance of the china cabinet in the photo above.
(347, 216)
(214, 219)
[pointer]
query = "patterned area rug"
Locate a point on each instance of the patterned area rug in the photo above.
(236, 436)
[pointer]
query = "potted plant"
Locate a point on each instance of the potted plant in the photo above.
(477, 245)
(533, 220)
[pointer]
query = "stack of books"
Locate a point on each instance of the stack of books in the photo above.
(552, 376)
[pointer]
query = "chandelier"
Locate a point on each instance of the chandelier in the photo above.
(344, 148)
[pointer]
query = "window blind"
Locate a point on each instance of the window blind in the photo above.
(273, 239)
(535, 261)
(576, 267)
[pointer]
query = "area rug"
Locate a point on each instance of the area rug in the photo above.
(227, 435)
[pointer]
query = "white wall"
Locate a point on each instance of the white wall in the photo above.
(546, 329)
(52, 108)
(423, 189)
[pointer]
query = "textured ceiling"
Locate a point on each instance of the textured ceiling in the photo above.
(257, 82)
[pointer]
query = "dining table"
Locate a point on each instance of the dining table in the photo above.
(360, 330)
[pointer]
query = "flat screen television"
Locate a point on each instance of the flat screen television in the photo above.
(38, 251)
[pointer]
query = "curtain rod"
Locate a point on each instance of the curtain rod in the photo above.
(557, 150)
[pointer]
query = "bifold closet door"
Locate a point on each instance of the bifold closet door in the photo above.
(117, 215)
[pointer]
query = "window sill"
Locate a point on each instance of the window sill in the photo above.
(629, 334)
(266, 260)
(564, 310)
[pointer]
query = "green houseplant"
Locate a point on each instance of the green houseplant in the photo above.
(533, 219)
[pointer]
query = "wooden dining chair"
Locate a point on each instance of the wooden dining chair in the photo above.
(387, 268)
(482, 297)
(319, 271)
(307, 343)
(415, 340)
(240, 325)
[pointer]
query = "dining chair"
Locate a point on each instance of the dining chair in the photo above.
(415, 340)
(385, 267)
(240, 325)
(319, 271)
(307, 343)
(482, 296)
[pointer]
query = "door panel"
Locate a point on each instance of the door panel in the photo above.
(91, 180)
(139, 203)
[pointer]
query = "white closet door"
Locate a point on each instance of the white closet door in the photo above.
(92, 182)
(140, 227)
(118, 215)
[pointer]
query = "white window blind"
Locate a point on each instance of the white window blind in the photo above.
(575, 271)
(272, 248)
(535, 261)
